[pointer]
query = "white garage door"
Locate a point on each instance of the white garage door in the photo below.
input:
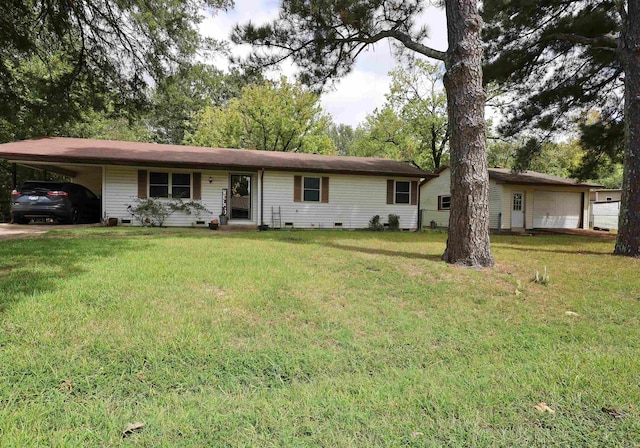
(556, 210)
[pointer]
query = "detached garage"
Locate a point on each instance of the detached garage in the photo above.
(517, 201)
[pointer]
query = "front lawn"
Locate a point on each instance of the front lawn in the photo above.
(314, 339)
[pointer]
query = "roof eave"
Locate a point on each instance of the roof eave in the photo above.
(18, 158)
(544, 184)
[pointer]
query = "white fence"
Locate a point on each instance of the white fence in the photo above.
(604, 215)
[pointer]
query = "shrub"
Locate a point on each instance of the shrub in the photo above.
(375, 224)
(394, 222)
(154, 212)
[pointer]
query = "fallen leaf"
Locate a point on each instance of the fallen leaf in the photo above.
(66, 385)
(613, 412)
(131, 427)
(415, 434)
(542, 407)
(571, 313)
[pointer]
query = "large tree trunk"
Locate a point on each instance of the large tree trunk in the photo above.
(468, 242)
(628, 241)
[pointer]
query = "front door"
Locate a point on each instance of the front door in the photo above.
(517, 210)
(240, 196)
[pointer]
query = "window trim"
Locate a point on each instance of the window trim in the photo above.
(319, 189)
(170, 184)
(441, 206)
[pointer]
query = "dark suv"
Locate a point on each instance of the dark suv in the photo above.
(61, 201)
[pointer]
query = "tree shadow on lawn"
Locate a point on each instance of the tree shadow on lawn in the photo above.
(327, 241)
(553, 251)
(569, 245)
(33, 265)
(542, 243)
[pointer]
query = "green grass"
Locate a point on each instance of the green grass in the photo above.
(314, 339)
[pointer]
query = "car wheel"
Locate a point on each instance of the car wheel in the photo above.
(75, 216)
(21, 220)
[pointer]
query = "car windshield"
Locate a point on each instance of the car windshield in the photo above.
(48, 186)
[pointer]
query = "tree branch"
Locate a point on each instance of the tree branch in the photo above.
(606, 42)
(401, 36)
(411, 44)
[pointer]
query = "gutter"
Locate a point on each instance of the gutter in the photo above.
(61, 159)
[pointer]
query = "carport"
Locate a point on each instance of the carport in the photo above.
(89, 176)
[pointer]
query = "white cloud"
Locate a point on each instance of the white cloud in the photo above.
(355, 95)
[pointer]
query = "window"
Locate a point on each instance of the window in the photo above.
(311, 189)
(517, 202)
(180, 185)
(160, 184)
(444, 202)
(402, 192)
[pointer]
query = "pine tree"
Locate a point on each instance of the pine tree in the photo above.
(325, 37)
(561, 60)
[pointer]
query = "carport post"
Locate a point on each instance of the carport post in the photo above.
(14, 175)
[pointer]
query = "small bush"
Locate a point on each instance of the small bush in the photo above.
(153, 211)
(375, 224)
(394, 222)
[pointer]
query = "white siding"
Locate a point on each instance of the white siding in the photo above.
(353, 201)
(440, 186)
(429, 192)
(602, 195)
(122, 188)
(500, 201)
(495, 205)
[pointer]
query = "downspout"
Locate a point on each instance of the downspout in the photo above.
(418, 205)
(104, 191)
(262, 198)
(581, 222)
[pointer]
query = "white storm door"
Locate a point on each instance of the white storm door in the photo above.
(517, 210)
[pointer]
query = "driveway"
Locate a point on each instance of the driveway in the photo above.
(18, 231)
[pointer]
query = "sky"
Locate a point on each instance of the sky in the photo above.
(352, 97)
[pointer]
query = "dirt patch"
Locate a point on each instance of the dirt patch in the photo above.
(8, 231)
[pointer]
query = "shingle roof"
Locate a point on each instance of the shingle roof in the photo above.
(110, 152)
(506, 176)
